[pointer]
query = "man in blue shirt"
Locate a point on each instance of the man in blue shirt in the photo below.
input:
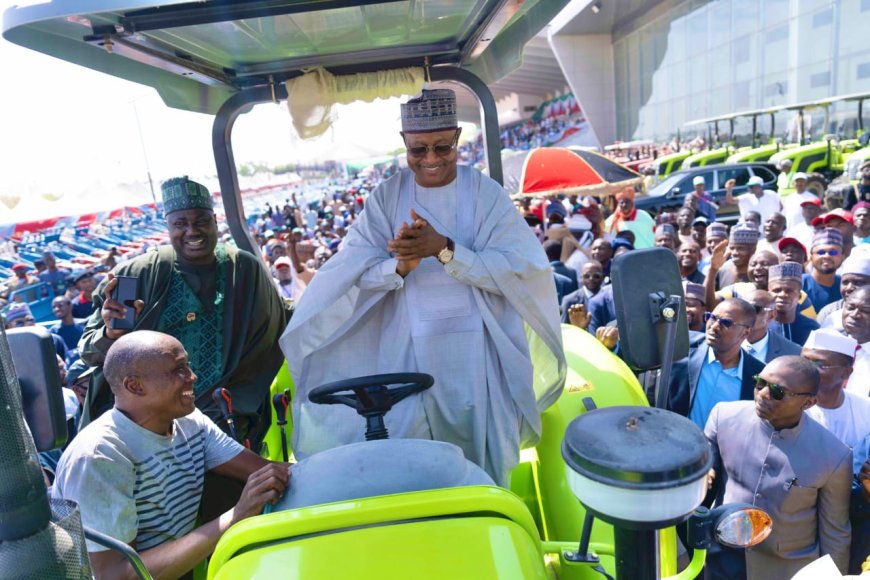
(67, 328)
(822, 285)
(52, 275)
(717, 369)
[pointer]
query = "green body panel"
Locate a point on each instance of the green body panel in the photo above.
(667, 164)
(491, 514)
(504, 544)
(491, 547)
(710, 157)
(272, 441)
(593, 372)
(807, 158)
(748, 155)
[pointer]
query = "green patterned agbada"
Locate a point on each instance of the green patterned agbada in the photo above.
(236, 346)
(197, 325)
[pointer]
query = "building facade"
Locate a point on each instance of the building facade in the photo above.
(642, 69)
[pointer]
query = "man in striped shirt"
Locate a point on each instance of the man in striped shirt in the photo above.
(137, 471)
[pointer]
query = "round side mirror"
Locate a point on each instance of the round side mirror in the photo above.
(743, 528)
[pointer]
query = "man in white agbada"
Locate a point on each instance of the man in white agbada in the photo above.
(438, 275)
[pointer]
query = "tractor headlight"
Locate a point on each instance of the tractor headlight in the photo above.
(646, 468)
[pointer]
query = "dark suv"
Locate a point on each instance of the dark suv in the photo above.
(668, 195)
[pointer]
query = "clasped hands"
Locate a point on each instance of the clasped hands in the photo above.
(414, 242)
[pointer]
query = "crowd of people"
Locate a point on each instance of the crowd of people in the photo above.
(443, 274)
(778, 308)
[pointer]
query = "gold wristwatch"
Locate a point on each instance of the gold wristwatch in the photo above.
(446, 255)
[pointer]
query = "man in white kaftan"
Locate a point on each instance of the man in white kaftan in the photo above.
(447, 295)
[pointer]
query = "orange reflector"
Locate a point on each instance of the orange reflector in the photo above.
(744, 528)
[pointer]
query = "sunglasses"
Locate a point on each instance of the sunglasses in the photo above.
(725, 322)
(776, 391)
(759, 308)
(831, 253)
(593, 275)
(441, 150)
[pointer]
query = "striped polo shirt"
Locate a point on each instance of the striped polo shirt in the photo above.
(135, 485)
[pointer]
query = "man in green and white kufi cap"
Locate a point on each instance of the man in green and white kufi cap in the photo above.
(182, 193)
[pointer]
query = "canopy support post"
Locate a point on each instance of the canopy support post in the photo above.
(222, 146)
(488, 113)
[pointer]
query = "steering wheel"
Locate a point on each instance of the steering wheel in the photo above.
(372, 396)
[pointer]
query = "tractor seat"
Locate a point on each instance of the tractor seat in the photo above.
(382, 467)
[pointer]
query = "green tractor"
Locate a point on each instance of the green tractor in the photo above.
(224, 58)
(830, 134)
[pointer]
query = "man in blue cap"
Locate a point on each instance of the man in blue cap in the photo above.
(217, 300)
(438, 275)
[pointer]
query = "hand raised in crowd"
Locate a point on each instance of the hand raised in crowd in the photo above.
(266, 485)
(415, 242)
(720, 256)
(730, 184)
(608, 336)
(114, 309)
(578, 316)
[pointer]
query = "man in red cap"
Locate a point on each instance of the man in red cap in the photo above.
(793, 250)
(842, 221)
(628, 217)
(20, 279)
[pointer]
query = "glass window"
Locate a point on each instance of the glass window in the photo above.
(739, 174)
(696, 32)
(854, 22)
(719, 65)
(822, 79)
(766, 174)
(774, 11)
(719, 19)
(814, 42)
(740, 95)
(823, 18)
(744, 14)
(686, 185)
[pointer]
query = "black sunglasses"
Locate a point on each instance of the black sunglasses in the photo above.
(725, 322)
(776, 391)
(441, 150)
(593, 275)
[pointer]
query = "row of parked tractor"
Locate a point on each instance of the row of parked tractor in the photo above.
(825, 139)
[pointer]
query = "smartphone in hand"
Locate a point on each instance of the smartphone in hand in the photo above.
(125, 293)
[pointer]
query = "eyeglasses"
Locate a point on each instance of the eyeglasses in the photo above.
(28, 321)
(776, 391)
(726, 322)
(593, 275)
(759, 308)
(441, 150)
(823, 367)
(831, 253)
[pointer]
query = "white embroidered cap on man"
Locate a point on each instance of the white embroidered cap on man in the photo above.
(440, 274)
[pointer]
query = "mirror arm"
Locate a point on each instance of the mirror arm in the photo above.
(667, 309)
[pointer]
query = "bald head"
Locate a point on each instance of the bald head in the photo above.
(134, 354)
(803, 374)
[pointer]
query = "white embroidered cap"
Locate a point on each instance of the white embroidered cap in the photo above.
(832, 340)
